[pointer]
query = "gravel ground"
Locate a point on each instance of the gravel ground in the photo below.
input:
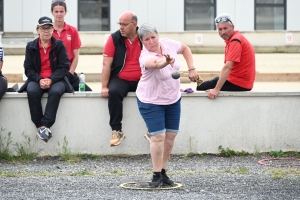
(209, 177)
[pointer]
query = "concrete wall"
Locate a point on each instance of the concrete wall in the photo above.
(263, 41)
(168, 16)
(23, 15)
(249, 121)
(164, 16)
(292, 11)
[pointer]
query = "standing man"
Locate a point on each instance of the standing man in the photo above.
(121, 70)
(238, 72)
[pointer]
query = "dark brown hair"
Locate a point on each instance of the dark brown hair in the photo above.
(59, 3)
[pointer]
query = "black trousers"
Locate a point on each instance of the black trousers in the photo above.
(118, 90)
(35, 93)
(211, 84)
(3, 85)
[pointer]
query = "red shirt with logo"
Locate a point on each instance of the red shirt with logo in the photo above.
(239, 50)
(70, 37)
(131, 70)
(46, 70)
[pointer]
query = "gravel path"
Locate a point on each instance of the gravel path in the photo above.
(209, 177)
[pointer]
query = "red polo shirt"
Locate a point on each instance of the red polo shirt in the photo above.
(132, 69)
(46, 70)
(70, 37)
(239, 50)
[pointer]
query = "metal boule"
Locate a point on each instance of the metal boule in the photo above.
(175, 74)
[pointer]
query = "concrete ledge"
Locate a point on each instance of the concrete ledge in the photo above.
(249, 121)
(195, 50)
(260, 77)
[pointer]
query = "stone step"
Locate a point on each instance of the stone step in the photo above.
(260, 77)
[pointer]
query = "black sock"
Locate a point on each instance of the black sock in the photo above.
(157, 174)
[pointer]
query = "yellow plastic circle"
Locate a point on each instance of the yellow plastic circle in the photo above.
(127, 186)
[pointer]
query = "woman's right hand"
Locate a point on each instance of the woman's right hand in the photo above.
(169, 59)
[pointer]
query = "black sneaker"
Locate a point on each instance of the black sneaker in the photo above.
(156, 181)
(44, 133)
(165, 179)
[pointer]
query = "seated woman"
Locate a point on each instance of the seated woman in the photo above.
(46, 66)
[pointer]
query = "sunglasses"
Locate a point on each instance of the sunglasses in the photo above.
(54, 1)
(223, 19)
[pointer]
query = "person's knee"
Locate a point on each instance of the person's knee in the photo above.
(158, 138)
(171, 135)
(113, 91)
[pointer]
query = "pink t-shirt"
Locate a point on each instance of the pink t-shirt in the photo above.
(157, 86)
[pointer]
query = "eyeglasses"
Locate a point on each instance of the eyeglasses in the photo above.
(223, 19)
(44, 29)
(124, 24)
(54, 1)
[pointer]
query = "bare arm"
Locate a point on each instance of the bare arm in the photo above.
(213, 93)
(75, 61)
(106, 69)
(158, 63)
(188, 56)
(1, 64)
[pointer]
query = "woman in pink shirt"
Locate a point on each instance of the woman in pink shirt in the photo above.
(159, 96)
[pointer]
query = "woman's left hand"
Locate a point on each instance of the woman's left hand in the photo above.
(193, 76)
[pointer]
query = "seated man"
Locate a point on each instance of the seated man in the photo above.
(121, 71)
(238, 73)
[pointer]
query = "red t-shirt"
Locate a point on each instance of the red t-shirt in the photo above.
(46, 70)
(70, 37)
(243, 56)
(131, 70)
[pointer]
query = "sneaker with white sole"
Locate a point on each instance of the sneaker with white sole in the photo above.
(44, 133)
(147, 137)
(117, 137)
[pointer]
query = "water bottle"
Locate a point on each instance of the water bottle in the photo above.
(82, 82)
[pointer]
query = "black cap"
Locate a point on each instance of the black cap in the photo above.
(45, 20)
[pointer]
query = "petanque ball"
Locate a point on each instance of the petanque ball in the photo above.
(175, 74)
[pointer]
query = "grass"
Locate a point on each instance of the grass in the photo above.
(284, 173)
(24, 150)
(191, 155)
(5, 153)
(240, 170)
(229, 153)
(276, 154)
(65, 154)
(83, 173)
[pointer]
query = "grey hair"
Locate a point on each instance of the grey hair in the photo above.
(145, 29)
(224, 15)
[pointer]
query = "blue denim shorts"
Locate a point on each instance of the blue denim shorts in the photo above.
(160, 118)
